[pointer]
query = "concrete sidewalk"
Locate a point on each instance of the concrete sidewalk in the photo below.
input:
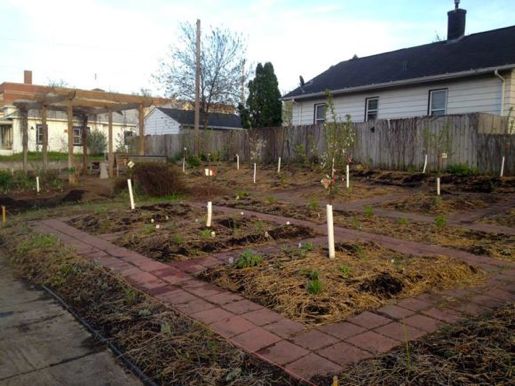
(42, 344)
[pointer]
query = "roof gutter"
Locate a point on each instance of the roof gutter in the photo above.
(403, 82)
(503, 81)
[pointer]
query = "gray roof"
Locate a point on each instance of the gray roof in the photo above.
(215, 120)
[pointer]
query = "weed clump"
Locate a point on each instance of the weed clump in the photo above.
(248, 259)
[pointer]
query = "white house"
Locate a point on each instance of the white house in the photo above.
(161, 120)
(463, 74)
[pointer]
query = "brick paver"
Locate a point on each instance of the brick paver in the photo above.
(314, 339)
(373, 342)
(232, 326)
(369, 320)
(262, 317)
(242, 307)
(395, 312)
(423, 322)
(443, 314)
(212, 315)
(342, 330)
(400, 331)
(255, 339)
(282, 352)
(285, 328)
(344, 354)
(310, 365)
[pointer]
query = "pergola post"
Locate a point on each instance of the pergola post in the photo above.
(84, 135)
(110, 155)
(24, 136)
(44, 127)
(69, 113)
(141, 130)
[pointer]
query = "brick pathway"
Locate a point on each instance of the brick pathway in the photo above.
(285, 343)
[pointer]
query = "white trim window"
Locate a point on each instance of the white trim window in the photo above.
(319, 113)
(371, 108)
(437, 102)
(39, 134)
(77, 135)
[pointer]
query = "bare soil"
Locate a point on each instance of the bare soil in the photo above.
(363, 276)
(505, 219)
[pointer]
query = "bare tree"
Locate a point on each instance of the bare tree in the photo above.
(221, 61)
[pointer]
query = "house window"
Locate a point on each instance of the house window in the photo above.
(319, 116)
(6, 137)
(127, 136)
(77, 135)
(371, 108)
(437, 102)
(39, 134)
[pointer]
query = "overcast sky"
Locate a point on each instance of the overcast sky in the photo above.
(116, 45)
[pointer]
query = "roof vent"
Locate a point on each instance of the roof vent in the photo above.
(456, 22)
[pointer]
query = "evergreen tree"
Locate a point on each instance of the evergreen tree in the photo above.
(264, 108)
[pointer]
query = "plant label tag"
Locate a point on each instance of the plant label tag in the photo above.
(444, 155)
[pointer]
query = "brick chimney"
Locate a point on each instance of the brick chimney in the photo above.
(456, 22)
(27, 77)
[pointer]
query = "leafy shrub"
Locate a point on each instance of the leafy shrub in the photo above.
(462, 170)
(193, 161)
(314, 283)
(345, 270)
(158, 179)
(97, 142)
(247, 259)
(369, 211)
(21, 181)
(5, 180)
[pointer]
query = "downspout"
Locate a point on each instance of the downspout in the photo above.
(503, 80)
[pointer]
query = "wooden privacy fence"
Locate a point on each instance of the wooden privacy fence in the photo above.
(477, 140)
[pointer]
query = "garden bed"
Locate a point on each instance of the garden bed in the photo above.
(504, 219)
(177, 231)
(306, 286)
(431, 204)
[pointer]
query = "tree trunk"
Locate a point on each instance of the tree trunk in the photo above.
(25, 137)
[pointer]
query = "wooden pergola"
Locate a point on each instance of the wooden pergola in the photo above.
(81, 104)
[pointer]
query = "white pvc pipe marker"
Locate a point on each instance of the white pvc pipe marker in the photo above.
(237, 162)
(332, 170)
(131, 196)
(347, 178)
(425, 164)
(330, 231)
(37, 184)
(437, 186)
(184, 165)
(279, 166)
(254, 172)
(502, 167)
(209, 214)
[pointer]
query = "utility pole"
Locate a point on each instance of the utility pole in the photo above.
(197, 91)
(243, 83)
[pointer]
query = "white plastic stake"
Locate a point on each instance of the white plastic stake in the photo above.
(237, 162)
(209, 214)
(347, 178)
(332, 170)
(437, 186)
(502, 167)
(37, 184)
(279, 166)
(425, 164)
(330, 231)
(184, 165)
(254, 172)
(131, 196)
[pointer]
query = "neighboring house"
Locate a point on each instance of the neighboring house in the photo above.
(124, 123)
(463, 74)
(163, 120)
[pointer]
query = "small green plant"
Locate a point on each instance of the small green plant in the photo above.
(247, 259)
(314, 283)
(177, 239)
(166, 328)
(462, 170)
(307, 247)
(345, 270)
(369, 211)
(193, 161)
(131, 296)
(270, 200)
(241, 194)
(440, 222)
(205, 233)
(355, 223)
(403, 221)
(314, 204)
(359, 251)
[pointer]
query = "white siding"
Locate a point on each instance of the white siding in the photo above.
(157, 123)
(464, 96)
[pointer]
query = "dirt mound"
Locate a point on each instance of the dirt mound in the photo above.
(22, 204)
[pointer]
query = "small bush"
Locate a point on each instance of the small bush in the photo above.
(369, 211)
(97, 142)
(193, 161)
(314, 283)
(345, 270)
(462, 170)
(158, 179)
(247, 259)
